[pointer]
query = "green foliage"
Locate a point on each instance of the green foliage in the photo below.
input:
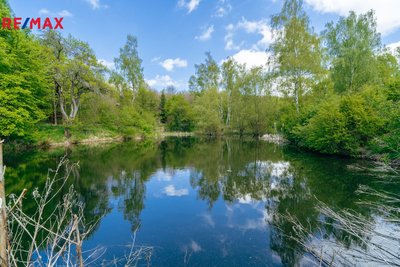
(387, 143)
(207, 112)
(343, 124)
(75, 72)
(206, 77)
(131, 122)
(297, 52)
(129, 65)
(179, 114)
(19, 112)
(102, 111)
(163, 111)
(24, 84)
(47, 133)
(326, 131)
(99, 110)
(147, 100)
(350, 107)
(361, 120)
(352, 43)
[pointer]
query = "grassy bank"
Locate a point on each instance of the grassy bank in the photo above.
(60, 135)
(48, 135)
(52, 136)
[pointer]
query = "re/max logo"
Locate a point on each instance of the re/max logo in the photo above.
(32, 23)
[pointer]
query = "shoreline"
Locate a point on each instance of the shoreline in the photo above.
(117, 139)
(99, 140)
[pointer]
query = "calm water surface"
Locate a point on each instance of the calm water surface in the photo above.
(202, 202)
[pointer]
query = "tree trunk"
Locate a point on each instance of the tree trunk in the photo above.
(61, 101)
(228, 115)
(73, 102)
(3, 214)
(55, 106)
(296, 96)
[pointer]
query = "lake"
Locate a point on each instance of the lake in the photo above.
(203, 202)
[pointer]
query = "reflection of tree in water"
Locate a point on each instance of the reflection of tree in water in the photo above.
(240, 170)
(127, 180)
(287, 182)
(163, 151)
(290, 195)
(223, 169)
(98, 167)
(327, 180)
(132, 190)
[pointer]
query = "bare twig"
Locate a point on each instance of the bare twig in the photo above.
(377, 245)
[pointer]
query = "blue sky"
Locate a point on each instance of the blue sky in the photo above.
(173, 35)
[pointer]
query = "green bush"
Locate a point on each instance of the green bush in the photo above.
(179, 114)
(343, 124)
(104, 112)
(207, 113)
(326, 131)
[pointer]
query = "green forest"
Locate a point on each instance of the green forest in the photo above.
(334, 92)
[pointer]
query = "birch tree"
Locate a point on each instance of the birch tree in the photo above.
(129, 65)
(296, 50)
(352, 44)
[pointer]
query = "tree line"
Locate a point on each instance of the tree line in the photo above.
(334, 92)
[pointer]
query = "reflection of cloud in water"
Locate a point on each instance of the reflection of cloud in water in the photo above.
(268, 167)
(279, 168)
(169, 174)
(192, 247)
(245, 199)
(259, 223)
(380, 246)
(274, 170)
(256, 224)
(224, 245)
(208, 219)
(277, 176)
(170, 190)
(195, 247)
(163, 176)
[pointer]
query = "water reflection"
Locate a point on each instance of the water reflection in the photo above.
(213, 202)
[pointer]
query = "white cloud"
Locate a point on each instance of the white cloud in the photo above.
(108, 64)
(392, 46)
(189, 5)
(65, 13)
(62, 13)
(223, 8)
(162, 81)
(387, 11)
(170, 190)
(257, 26)
(251, 58)
(155, 59)
(260, 27)
(192, 5)
(96, 4)
(229, 44)
(206, 34)
(169, 64)
(44, 11)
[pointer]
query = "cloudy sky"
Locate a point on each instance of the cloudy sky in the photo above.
(174, 34)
